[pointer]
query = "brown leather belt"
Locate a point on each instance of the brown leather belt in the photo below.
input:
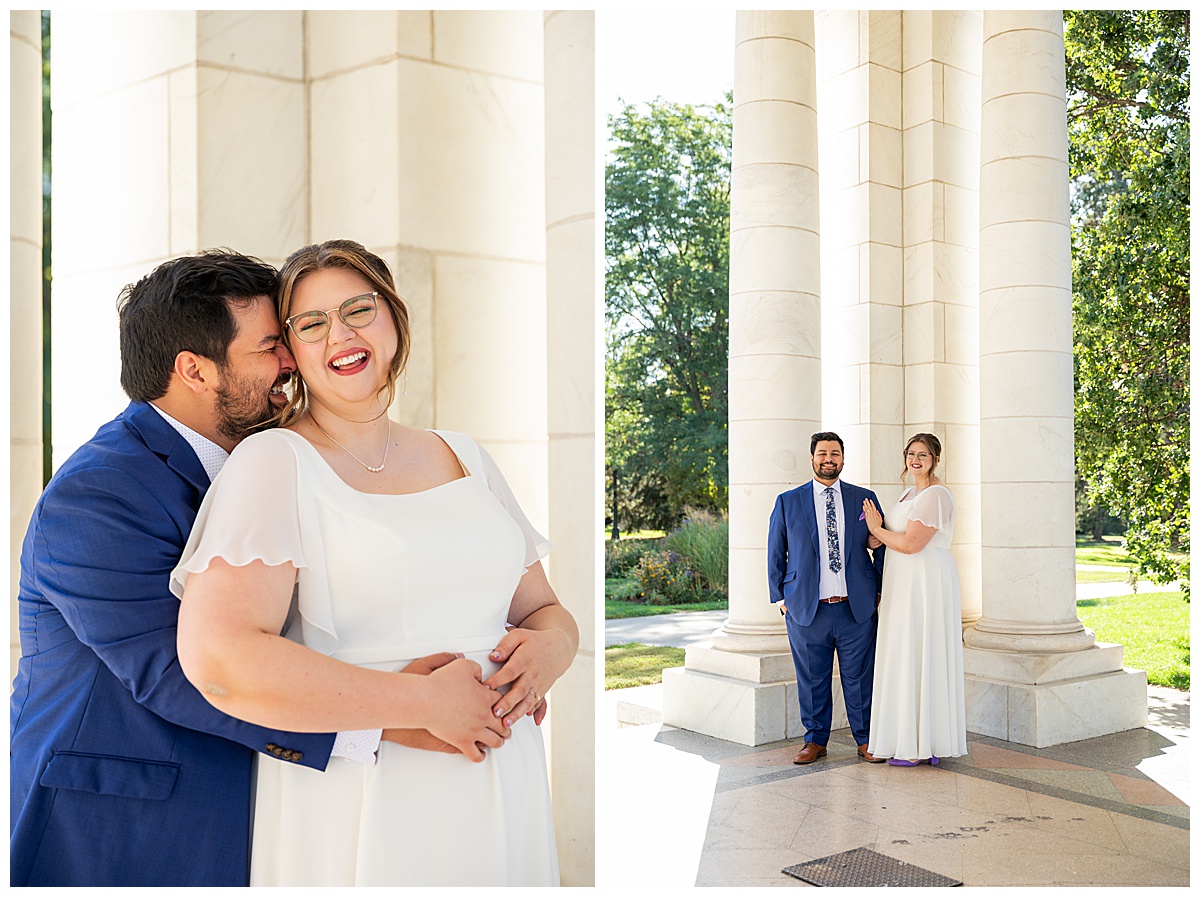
(834, 599)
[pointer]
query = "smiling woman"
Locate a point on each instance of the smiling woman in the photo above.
(398, 542)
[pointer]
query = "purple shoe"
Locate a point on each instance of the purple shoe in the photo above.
(933, 761)
(894, 762)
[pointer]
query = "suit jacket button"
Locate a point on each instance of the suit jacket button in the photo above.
(297, 756)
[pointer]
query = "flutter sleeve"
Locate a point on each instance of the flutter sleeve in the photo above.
(537, 546)
(250, 512)
(934, 507)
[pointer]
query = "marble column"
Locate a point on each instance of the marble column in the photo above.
(571, 316)
(24, 293)
(941, 266)
(1035, 674)
(743, 688)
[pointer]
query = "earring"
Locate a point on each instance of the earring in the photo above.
(405, 384)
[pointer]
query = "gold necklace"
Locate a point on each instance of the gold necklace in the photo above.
(387, 445)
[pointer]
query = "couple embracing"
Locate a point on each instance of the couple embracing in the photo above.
(883, 597)
(231, 569)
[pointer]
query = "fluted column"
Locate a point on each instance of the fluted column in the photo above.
(774, 303)
(24, 292)
(743, 688)
(1035, 675)
(1025, 342)
(570, 51)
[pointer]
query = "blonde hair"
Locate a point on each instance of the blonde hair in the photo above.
(350, 256)
(930, 442)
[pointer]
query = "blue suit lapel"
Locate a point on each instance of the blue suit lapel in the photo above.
(809, 515)
(162, 439)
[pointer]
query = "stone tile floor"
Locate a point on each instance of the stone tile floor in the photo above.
(1108, 811)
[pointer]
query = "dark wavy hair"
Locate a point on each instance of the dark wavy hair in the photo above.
(185, 305)
(825, 436)
(351, 256)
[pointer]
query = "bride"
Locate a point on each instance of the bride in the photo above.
(396, 543)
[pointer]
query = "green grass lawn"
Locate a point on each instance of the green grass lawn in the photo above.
(1101, 576)
(1107, 553)
(619, 610)
(1154, 627)
(635, 664)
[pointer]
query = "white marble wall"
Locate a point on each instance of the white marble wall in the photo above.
(427, 134)
(941, 50)
(572, 315)
(862, 243)
(24, 291)
(173, 131)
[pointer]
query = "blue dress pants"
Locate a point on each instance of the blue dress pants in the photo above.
(834, 629)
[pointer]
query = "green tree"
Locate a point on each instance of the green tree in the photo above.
(666, 241)
(1128, 115)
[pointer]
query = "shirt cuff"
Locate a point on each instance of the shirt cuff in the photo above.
(359, 745)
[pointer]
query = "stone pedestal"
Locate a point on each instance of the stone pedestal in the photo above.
(1041, 699)
(745, 698)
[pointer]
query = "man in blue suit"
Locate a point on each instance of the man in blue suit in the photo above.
(121, 773)
(826, 583)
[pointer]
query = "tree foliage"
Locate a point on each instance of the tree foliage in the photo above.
(1128, 114)
(666, 242)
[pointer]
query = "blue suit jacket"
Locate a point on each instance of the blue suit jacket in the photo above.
(121, 773)
(794, 554)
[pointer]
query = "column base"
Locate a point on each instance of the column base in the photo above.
(1052, 698)
(749, 699)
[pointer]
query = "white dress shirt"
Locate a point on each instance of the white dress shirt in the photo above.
(358, 744)
(832, 584)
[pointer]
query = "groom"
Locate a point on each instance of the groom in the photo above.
(826, 583)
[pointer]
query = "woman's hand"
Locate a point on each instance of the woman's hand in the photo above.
(872, 516)
(423, 739)
(464, 716)
(532, 659)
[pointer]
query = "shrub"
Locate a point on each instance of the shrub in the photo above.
(621, 557)
(703, 539)
(624, 590)
(664, 578)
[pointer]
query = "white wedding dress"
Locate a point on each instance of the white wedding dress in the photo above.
(917, 702)
(382, 580)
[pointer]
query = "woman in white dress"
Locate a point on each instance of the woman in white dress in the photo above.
(396, 543)
(917, 705)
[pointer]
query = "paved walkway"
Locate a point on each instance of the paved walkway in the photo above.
(682, 809)
(697, 627)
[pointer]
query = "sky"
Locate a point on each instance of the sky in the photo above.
(684, 57)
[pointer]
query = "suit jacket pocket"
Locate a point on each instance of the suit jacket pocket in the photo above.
(789, 576)
(120, 776)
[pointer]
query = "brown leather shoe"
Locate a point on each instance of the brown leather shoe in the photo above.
(867, 755)
(810, 752)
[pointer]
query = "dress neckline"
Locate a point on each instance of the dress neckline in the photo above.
(467, 474)
(906, 497)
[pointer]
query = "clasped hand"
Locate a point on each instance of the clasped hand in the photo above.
(531, 661)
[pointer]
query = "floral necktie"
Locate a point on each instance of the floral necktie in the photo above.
(831, 533)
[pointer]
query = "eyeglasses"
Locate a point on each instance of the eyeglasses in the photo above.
(355, 312)
(916, 456)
